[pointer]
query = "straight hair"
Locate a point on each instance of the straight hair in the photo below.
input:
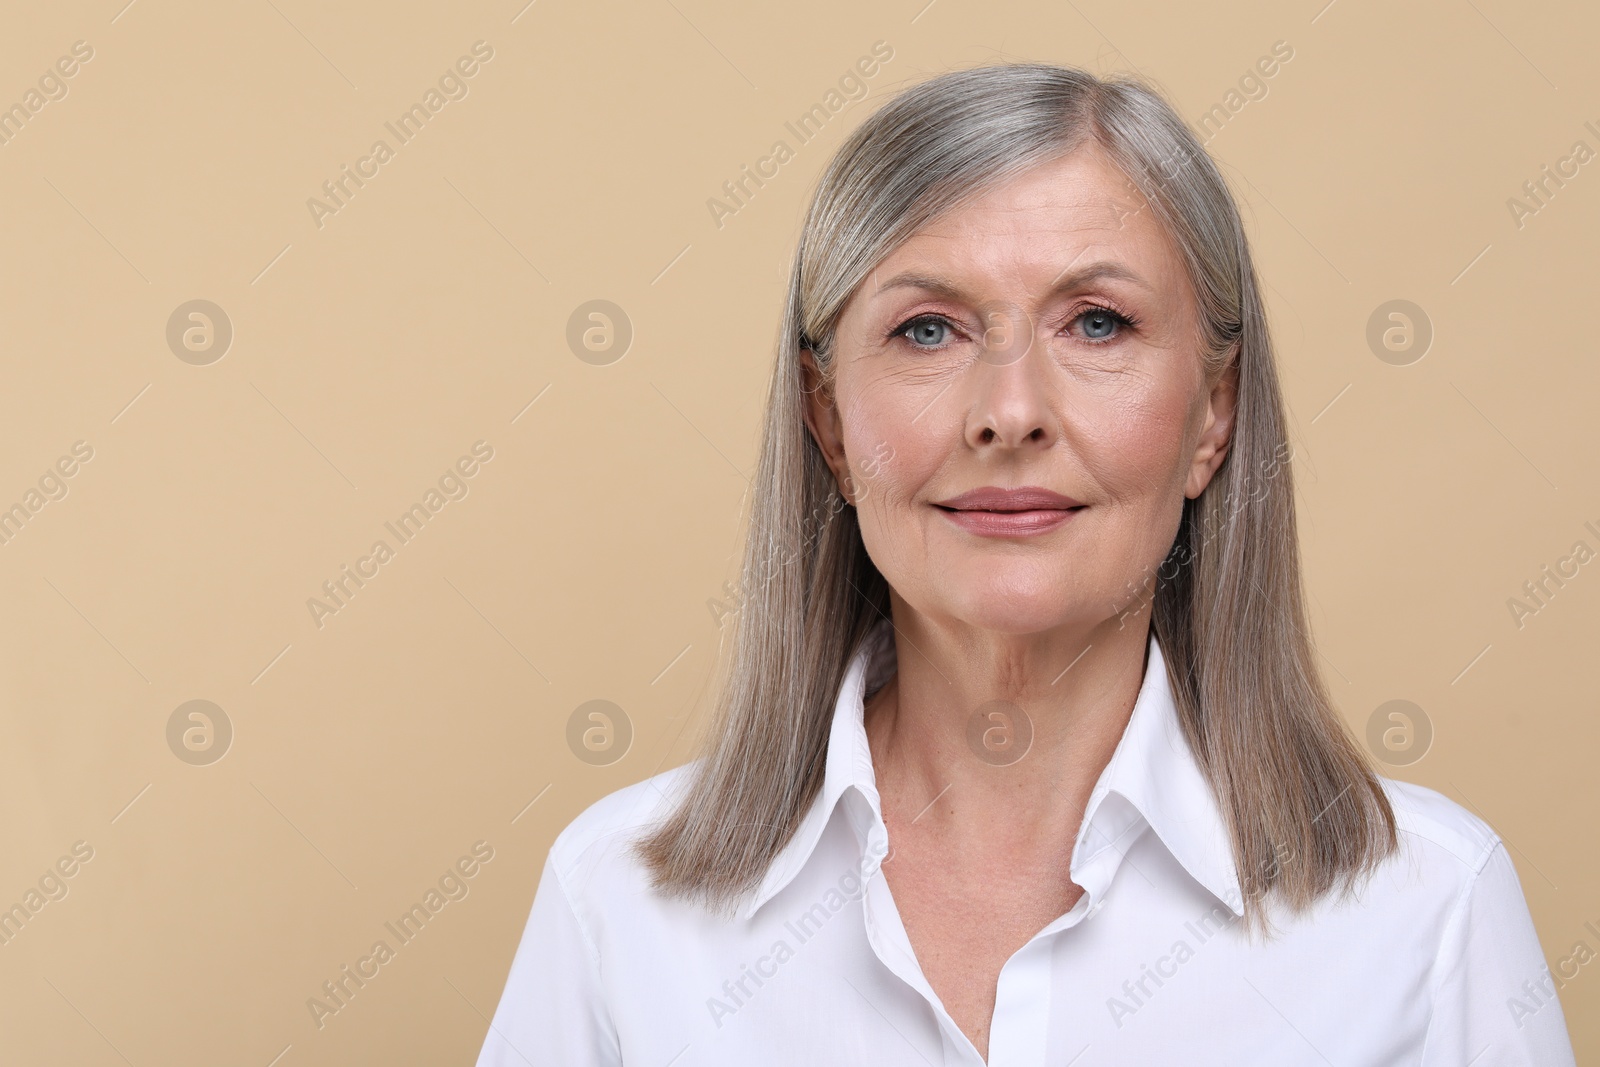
(1305, 810)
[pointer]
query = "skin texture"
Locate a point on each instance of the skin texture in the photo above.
(1014, 390)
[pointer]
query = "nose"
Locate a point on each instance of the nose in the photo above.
(1009, 387)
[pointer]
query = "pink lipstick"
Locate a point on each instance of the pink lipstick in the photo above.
(991, 511)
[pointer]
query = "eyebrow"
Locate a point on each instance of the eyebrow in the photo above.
(1064, 282)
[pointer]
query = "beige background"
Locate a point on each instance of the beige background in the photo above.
(430, 312)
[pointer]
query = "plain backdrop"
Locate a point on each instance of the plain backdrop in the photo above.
(346, 758)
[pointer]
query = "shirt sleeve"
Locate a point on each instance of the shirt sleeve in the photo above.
(1495, 1001)
(553, 1011)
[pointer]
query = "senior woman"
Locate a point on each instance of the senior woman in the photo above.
(1023, 757)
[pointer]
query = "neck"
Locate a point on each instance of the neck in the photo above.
(997, 738)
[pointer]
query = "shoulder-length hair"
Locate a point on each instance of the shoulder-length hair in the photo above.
(1304, 808)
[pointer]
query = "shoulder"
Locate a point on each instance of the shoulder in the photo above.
(597, 845)
(1488, 975)
(1433, 826)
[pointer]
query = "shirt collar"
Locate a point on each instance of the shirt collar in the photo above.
(1152, 768)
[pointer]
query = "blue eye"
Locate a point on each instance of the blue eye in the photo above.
(1100, 323)
(924, 331)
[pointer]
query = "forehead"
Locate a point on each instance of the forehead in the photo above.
(1079, 206)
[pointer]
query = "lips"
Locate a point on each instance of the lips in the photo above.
(1025, 511)
(1023, 498)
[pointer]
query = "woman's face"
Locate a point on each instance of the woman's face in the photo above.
(1044, 335)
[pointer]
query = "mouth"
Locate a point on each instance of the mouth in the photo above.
(996, 512)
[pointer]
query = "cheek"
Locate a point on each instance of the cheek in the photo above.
(891, 450)
(1139, 454)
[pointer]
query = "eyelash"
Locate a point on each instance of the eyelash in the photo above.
(1122, 320)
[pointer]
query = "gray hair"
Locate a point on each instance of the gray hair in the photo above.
(1304, 807)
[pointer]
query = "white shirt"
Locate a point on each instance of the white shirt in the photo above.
(1436, 965)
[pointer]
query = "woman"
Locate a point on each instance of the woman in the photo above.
(1024, 757)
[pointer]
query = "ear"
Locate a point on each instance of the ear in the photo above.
(822, 419)
(1217, 432)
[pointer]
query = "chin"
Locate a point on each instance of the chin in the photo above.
(1013, 615)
